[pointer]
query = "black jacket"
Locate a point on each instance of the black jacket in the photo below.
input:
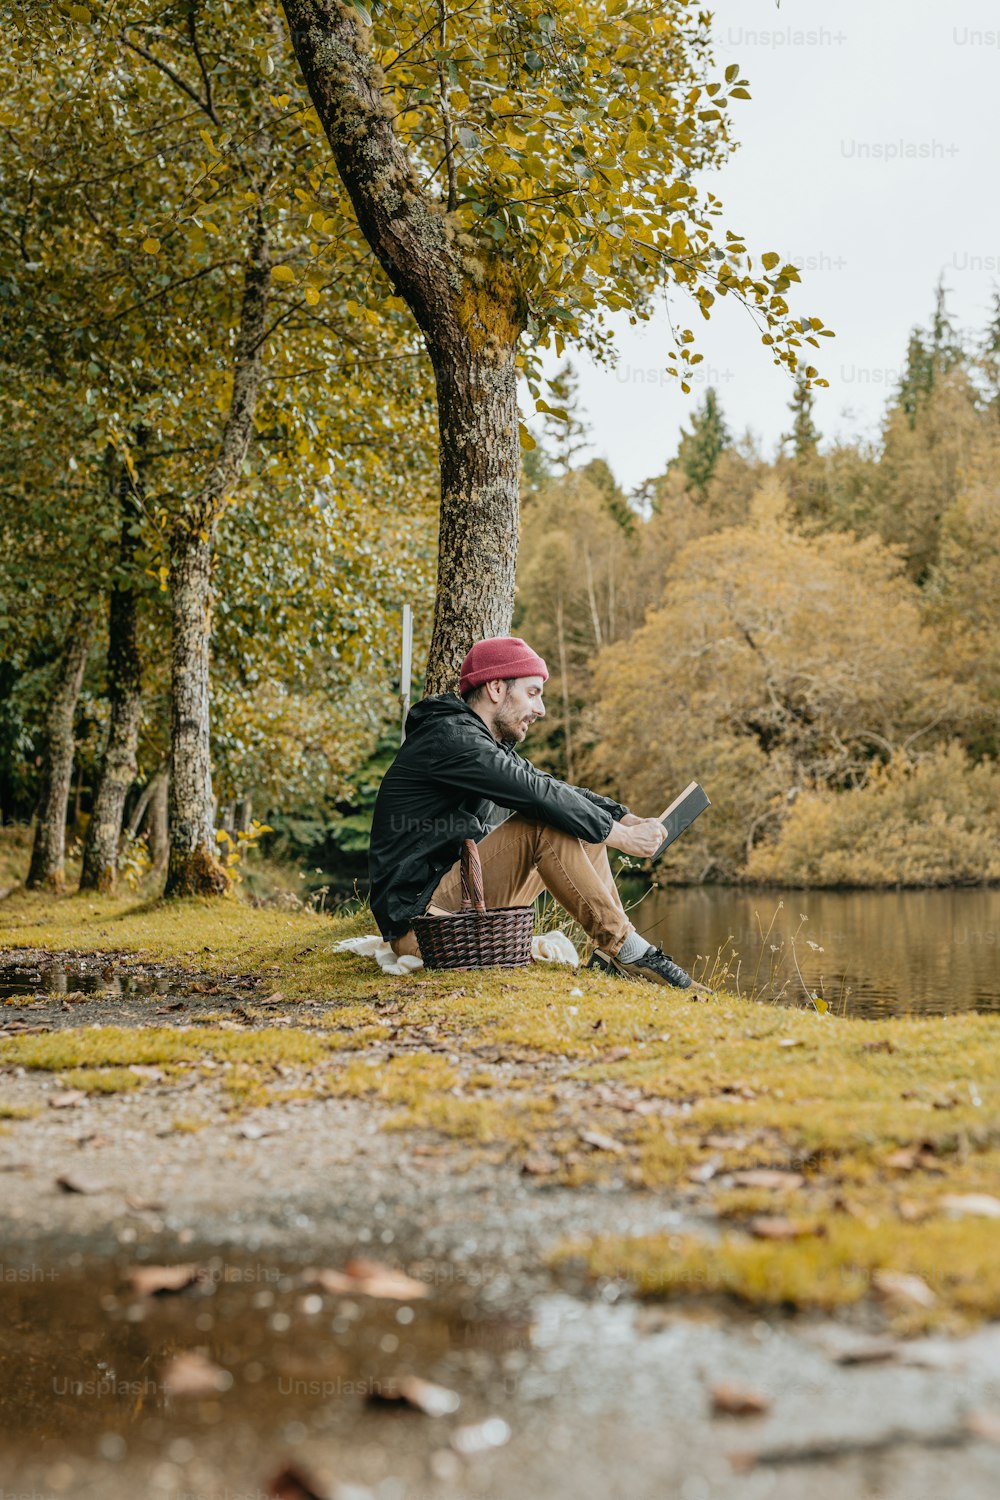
(452, 781)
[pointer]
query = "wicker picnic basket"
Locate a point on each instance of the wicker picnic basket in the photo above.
(477, 937)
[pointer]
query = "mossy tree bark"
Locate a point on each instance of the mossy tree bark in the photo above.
(193, 868)
(471, 309)
(118, 767)
(48, 855)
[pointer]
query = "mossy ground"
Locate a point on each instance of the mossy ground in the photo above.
(880, 1120)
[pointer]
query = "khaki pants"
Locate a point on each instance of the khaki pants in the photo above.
(520, 859)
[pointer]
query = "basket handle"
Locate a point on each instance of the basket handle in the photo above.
(472, 878)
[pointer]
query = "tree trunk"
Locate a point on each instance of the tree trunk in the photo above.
(48, 855)
(564, 681)
(157, 828)
(148, 792)
(468, 303)
(477, 536)
(118, 767)
(193, 867)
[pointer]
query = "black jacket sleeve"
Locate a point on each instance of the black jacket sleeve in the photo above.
(488, 770)
(618, 810)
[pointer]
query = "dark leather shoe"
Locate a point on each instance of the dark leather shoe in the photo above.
(654, 967)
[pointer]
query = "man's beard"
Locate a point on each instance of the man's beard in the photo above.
(510, 728)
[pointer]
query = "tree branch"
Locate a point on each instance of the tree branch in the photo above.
(192, 32)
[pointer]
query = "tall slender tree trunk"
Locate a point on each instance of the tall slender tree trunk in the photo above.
(118, 767)
(145, 797)
(157, 828)
(564, 684)
(193, 867)
(470, 306)
(48, 855)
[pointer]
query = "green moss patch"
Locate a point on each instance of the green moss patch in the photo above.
(956, 1261)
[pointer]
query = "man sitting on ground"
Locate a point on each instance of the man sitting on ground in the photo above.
(453, 778)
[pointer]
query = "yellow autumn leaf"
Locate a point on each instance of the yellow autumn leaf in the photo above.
(282, 273)
(151, 245)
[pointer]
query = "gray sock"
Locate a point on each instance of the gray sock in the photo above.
(633, 947)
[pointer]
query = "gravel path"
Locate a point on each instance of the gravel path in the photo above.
(565, 1391)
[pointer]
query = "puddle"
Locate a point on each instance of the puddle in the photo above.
(79, 976)
(65, 990)
(554, 1396)
(85, 1367)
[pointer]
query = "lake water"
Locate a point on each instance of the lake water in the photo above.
(867, 953)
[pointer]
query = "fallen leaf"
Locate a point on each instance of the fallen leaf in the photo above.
(191, 1374)
(143, 1070)
(771, 1179)
(423, 1395)
(738, 1401)
(617, 1054)
(294, 1484)
(912, 1212)
(765, 1228)
(600, 1141)
(540, 1164)
(367, 1278)
(972, 1205)
(153, 1281)
(71, 1183)
(703, 1173)
(984, 1425)
(903, 1289)
(480, 1437)
(375, 1280)
(329, 1281)
(868, 1352)
(68, 1099)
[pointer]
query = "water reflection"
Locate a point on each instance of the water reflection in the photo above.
(868, 953)
(86, 1362)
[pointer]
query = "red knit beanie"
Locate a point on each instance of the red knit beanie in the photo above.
(502, 656)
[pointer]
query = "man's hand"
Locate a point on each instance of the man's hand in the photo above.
(640, 837)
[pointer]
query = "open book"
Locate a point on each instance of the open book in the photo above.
(681, 814)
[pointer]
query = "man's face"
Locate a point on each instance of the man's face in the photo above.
(520, 706)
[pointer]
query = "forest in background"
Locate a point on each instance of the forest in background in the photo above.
(815, 637)
(239, 430)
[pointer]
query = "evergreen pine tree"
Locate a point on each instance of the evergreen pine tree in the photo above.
(927, 356)
(698, 450)
(566, 435)
(990, 356)
(804, 436)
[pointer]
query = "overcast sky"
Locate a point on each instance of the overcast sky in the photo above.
(868, 155)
